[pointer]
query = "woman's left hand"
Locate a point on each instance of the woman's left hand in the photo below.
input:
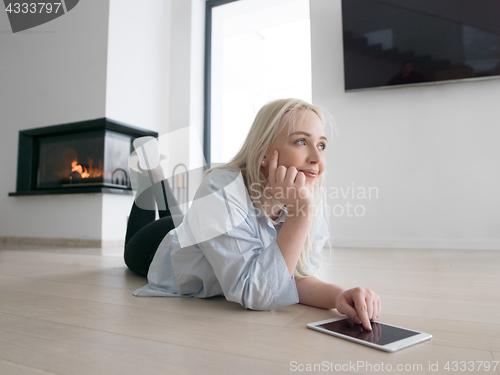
(360, 305)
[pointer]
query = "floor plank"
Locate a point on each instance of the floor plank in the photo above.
(66, 349)
(11, 368)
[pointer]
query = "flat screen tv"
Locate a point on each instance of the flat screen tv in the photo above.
(390, 43)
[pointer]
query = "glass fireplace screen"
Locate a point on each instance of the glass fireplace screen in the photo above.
(83, 159)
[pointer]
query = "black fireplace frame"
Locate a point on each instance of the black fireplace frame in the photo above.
(28, 153)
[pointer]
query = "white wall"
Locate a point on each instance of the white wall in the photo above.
(52, 74)
(186, 89)
(155, 77)
(137, 84)
(103, 59)
(432, 152)
(138, 56)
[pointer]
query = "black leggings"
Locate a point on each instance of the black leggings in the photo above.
(144, 232)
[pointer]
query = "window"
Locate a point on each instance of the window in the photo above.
(257, 51)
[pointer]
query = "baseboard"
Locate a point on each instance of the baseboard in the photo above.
(60, 242)
(113, 243)
(449, 244)
(336, 243)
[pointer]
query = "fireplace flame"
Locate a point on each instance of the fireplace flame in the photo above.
(82, 170)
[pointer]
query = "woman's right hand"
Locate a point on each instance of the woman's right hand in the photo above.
(288, 186)
(360, 304)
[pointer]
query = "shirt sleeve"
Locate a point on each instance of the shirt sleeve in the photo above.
(249, 273)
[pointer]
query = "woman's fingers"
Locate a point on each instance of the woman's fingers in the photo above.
(352, 303)
(281, 174)
(291, 173)
(300, 179)
(273, 166)
(287, 184)
(362, 310)
(346, 308)
(369, 309)
(361, 305)
(376, 307)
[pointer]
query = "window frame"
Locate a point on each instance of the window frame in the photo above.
(207, 126)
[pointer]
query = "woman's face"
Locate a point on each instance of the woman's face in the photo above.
(302, 149)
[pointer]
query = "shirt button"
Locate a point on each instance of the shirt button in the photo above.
(272, 238)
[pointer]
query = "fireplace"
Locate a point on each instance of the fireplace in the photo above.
(82, 157)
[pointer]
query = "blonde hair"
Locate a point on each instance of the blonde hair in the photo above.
(270, 120)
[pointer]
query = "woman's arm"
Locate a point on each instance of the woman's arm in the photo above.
(317, 293)
(247, 272)
(359, 304)
(291, 238)
(288, 186)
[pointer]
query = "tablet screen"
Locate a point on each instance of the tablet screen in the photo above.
(381, 334)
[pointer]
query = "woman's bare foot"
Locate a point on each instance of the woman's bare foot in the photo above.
(148, 154)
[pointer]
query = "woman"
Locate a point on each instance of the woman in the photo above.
(255, 229)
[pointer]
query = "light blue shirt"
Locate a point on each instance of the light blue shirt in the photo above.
(225, 246)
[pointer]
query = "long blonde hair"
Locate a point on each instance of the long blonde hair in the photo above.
(270, 120)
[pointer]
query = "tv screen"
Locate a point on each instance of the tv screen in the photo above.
(390, 43)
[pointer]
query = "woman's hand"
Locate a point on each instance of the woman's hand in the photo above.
(288, 186)
(360, 305)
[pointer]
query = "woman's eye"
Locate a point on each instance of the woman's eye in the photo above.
(300, 141)
(322, 146)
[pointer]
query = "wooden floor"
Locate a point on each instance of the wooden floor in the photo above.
(72, 312)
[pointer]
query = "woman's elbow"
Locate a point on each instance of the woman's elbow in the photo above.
(250, 301)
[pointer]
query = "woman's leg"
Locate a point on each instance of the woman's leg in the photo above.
(144, 208)
(144, 233)
(141, 247)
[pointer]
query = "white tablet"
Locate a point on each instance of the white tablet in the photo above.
(383, 336)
